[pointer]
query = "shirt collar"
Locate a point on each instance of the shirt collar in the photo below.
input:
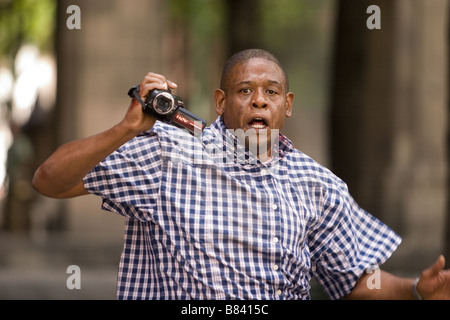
(232, 147)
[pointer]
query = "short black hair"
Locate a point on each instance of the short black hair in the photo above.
(244, 56)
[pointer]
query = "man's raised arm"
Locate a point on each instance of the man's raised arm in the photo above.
(61, 175)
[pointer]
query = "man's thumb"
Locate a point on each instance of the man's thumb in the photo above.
(437, 266)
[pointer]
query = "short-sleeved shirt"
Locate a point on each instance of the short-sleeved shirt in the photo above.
(205, 219)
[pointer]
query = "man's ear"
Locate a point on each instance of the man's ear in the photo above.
(219, 97)
(289, 100)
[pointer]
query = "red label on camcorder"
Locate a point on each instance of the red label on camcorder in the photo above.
(190, 124)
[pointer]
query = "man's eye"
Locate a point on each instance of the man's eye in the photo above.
(271, 92)
(245, 90)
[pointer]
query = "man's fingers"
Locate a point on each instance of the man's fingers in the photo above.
(155, 81)
(146, 88)
(159, 78)
(154, 77)
(172, 84)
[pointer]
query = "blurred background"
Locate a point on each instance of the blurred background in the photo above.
(370, 104)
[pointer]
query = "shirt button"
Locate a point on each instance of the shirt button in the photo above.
(278, 293)
(274, 207)
(275, 239)
(263, 171)
(275, 267)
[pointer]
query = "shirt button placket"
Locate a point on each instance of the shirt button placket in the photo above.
(275, 241)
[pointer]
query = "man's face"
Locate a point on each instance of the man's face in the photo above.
(255, 100)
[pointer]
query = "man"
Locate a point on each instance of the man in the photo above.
(208, 219)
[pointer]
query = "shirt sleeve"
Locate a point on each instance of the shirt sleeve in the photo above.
(346, 242)
(128, 180)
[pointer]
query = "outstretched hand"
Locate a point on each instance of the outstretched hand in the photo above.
(434, 283)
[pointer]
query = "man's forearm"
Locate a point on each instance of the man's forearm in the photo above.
(67, 166)
(390, 288)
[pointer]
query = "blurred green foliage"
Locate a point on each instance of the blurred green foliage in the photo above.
(26, 21)
(204, 17)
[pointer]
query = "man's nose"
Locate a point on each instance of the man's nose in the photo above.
(259, 99)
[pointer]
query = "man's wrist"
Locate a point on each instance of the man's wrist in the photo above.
(416, 294)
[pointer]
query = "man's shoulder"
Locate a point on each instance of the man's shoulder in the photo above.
(301, 160)
(303, 167)
(164, 132)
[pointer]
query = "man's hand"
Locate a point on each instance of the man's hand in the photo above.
(135, 120)
(434, 283)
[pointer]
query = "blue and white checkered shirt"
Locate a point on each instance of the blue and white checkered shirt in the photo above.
(204, 223)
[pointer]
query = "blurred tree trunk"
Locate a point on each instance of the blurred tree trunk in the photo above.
(361, 122)
(175, 53)
(242, 29)
(388, 117)
(118, 43)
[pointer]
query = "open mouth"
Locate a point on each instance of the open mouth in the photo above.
(258, 123)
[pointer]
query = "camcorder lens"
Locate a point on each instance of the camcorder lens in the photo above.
(164, 105)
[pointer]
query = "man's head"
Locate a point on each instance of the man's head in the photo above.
(244, 56)
(254, 95)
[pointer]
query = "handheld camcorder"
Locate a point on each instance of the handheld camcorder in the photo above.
(168, 108)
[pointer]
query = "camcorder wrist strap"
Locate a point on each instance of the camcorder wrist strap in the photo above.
(134, 93)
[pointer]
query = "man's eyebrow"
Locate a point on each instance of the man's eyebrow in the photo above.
(270, 81)
(275, 82)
